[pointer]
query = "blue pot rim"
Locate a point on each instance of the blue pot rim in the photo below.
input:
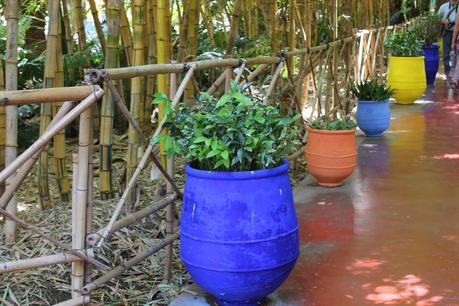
(237, 175)
(373, 101)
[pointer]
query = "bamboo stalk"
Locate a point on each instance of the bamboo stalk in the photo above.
(136, 98)
(240, 73)
(228, 79)
(163, 44)
(75, 302)
(90, 198)
(80, 24)
(135, 71)
(47, 136)
(192, 28)
(67, 26)
(28, 165)
(38, 262)
(107, 110)
(127, 265)
(234, 27)
(11, 74)
(79, 227)
(144, 160)
(170, 208)
(2, 128)
(131, 219)
(255, 73)
(151, 79)
(216, 85)
(45, 95)
(60, 171)
(273, 83)
(100, 32)
(126, 35)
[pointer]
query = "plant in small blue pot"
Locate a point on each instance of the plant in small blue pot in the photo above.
(238, 231)
(373, 110)
(428, 29)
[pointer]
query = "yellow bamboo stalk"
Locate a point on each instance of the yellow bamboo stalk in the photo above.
(67, 26)
(234, 27)
(2, 127)
(192, 41)
(79, 18)
(136, 96)
(79, 226)
(107, 111)
(126, 35)
(95, 17)
(46, 110)
(11, 83)
(60, 170)
(151, 59)
(163, 44)
(207, 17)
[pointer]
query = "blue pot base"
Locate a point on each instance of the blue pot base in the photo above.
(236, 303)
(374, 136)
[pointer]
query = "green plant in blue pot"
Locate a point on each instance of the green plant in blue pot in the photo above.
(373, 108)
(238, 229)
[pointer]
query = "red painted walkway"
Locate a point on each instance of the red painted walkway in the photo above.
(390, 236)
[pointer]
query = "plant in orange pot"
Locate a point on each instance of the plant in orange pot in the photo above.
(331, 153)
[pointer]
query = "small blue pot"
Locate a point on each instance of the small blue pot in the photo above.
(432, 62)
(239, 232)
(373, 117)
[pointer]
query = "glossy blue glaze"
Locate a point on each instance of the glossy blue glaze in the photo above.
(373, 117)
(239, 232)
(432, 61)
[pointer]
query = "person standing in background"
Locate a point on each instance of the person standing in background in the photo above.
(448, 11)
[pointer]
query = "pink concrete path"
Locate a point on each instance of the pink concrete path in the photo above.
(390, 235)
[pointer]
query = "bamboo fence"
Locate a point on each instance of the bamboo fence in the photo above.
(319, 85)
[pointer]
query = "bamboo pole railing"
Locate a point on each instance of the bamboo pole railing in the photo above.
(33, 96)
(322, 84)
(38, 262)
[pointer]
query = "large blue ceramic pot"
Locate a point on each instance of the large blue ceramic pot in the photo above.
(432, 61)
(373, 117)
(239, 232)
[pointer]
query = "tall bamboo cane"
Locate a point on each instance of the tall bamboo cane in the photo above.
(60, 170)
(67, 26)
(11, 72)
(136, 96)
(107, 111)
(95, 17)
(79, 17)
(79, 226)
(192, 41)
(163, 44)
(2, 127)
(151, 58)
(234, 27)
(126, 35)
(46, 110)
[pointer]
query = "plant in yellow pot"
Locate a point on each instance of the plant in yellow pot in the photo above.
(406, 74)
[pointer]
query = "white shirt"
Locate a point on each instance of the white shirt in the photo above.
(444, 10)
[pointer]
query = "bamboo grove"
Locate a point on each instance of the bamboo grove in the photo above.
(156, 31)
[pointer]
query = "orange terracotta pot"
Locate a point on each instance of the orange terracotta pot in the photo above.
(331, 156)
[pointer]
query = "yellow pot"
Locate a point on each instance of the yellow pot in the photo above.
(407, 76)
